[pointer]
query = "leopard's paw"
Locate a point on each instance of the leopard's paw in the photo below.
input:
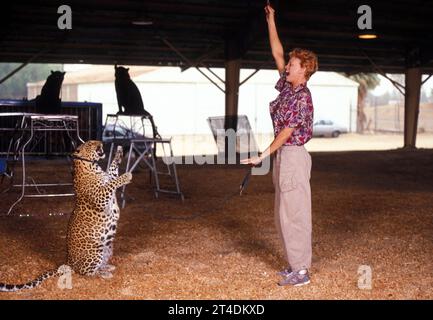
(106, 275)
(128, 176)
(119, 152)
(118, 156)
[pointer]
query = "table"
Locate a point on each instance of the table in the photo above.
(32, 125)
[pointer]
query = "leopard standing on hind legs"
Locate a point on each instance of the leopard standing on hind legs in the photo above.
(93, 222)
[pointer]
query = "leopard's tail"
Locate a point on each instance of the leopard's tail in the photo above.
(36, 282)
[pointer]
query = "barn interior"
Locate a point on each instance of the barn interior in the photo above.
(369, 208)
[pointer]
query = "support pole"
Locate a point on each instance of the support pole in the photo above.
(233, 66)
(232, 93)
(411, 106)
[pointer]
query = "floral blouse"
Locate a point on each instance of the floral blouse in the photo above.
(293, 108)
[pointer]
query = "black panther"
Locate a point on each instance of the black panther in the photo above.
(128, 96)
(49, 102)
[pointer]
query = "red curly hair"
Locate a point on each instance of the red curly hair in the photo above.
(308, 60)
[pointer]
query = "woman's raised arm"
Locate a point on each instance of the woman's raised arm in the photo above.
(274, 40)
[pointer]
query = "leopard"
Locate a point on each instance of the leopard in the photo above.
(93, 222)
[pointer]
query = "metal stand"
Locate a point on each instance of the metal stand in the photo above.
(121, 127)
(35, 124)
(139, 135)
(143, 147)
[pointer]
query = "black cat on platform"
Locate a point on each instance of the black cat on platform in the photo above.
(128, 96)
(129, 99)
(49, 102)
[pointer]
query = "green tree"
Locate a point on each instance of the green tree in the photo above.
(16, 86)
(367, 81)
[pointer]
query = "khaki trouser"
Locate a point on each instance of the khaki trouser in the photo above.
(291, 177)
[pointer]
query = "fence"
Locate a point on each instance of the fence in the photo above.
(390, 118)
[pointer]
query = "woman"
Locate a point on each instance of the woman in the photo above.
(292, 118)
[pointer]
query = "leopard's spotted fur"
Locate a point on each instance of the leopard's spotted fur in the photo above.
(93, 223)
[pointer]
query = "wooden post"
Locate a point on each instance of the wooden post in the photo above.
(411, 106)
(233, 65)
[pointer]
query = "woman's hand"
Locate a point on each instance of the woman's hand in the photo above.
(274, 40)
(254, 161)
(270, 12)
(279, 140)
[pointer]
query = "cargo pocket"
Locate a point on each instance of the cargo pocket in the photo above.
(287, 181)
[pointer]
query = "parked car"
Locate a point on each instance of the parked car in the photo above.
(122, 135)
(327, 128)
(111, 133)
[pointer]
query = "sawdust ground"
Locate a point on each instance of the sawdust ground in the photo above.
(369, 208)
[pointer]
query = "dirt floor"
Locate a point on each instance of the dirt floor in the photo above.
(369, 208)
